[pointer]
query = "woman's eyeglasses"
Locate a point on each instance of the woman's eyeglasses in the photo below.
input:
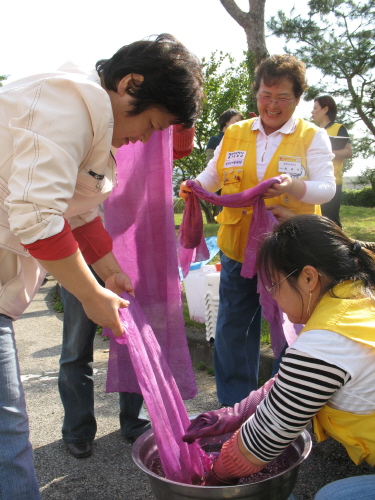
(283, 103)
(272, 289)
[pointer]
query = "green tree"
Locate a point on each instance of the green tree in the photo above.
(226, 85)
(2, 78)
(253, 24)
(338, 38)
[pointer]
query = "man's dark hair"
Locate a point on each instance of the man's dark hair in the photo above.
(172, 77)
(277, 68)
(227, 115)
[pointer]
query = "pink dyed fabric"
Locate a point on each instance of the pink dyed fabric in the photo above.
(262, 222)
(181, 462)
(139, 217)
(191, 245)
(191, 229)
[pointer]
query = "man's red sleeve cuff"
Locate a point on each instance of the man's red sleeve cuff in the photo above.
(183, 141)
(93, 240)
(56, 247)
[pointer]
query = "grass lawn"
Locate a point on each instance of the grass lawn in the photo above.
(357, 222)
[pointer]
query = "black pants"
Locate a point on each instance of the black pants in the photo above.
(332, 208)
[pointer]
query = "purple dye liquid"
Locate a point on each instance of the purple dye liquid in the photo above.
(277, 466)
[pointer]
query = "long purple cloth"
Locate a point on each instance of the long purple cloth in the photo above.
(139, 217)
(262, 221)
(181, 462)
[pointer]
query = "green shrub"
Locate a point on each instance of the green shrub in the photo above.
(178, 205)
(364, 197)
(57, 304)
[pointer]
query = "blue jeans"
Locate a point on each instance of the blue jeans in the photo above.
(237, 337)
(351, 488)
(17, 473)
(76, 384)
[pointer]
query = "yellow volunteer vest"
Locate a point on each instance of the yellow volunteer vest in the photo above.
(355, 319)
(240, 142)
(337, 164)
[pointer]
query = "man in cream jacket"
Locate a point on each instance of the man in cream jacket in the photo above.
(56, 166)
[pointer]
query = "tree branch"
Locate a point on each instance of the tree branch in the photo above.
(234, 11)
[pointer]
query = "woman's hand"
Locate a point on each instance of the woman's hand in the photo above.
(185, 190)
(280, 212)
(278, 189)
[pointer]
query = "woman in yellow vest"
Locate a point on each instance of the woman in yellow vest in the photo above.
(324, 114)
(275, 143)
(326, 281)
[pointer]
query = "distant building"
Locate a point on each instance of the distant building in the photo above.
(350, 182)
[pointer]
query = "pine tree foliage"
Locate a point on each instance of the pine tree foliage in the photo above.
(338, 38)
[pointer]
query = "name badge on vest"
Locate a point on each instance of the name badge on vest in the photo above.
(291, 165)
(233, 164)
(234, 159)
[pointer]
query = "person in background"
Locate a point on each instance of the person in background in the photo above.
(325, 280)
(275, 143)
(56, 167)
(229, 116)
(76, 383)
(324, 114)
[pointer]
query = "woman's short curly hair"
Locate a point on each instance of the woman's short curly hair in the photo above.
(274, 69)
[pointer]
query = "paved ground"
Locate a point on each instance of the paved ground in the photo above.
(110, 473)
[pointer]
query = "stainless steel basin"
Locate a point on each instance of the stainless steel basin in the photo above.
(278, 487)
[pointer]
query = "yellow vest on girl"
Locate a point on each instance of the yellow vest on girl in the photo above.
(355, 319)
(337, 164)
(236, 167)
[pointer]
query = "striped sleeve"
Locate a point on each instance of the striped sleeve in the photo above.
(303, 386)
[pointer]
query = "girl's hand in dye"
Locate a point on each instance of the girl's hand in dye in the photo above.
(216, 422)
(233, 463)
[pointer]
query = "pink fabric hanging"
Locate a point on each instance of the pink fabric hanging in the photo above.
(262, 222)
(181, 462)
(139, 217)
(191, 245)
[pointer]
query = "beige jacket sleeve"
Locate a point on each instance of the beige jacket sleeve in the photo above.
(62, 136)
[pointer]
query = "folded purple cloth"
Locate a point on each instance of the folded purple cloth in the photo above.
(191, 229)
(262, 221)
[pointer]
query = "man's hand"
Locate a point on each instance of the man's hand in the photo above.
(102, 308)
(120, 282)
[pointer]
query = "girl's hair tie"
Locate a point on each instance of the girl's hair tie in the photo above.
(356, 248)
